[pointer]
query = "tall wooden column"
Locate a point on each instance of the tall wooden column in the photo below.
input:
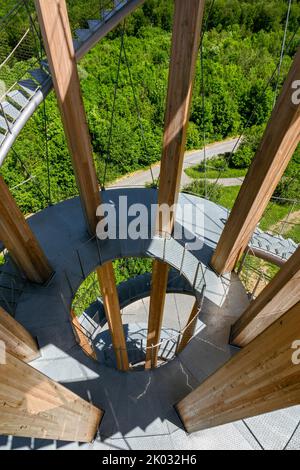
(19, 239)
(107, 282)
(55, 27)
(189, 330)
(185, 45)
(279, 142)
(259, 379)
(15, 339)
(32, 405)
(277, 298)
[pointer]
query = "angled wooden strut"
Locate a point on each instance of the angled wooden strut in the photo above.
(15, 339)
(19, 239)
(276, 299)
(32, 405)
(185, 45)
(55, 27)
(279, 142)
(262, 377)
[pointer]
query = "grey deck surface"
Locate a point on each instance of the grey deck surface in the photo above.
(138, 406)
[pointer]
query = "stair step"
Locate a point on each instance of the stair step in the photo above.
(76, 44)
(3, 124)
(9, 110)
(94, 24)
(83, 34)
(17, 97)
(2, 137)
(45, 65)
(39, 75)
(29, 86)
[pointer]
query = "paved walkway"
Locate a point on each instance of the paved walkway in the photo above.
(140, 178)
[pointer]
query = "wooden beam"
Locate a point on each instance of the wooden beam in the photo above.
(277, 298)
(19, 239)
(107, 282)
(279, 142)
(32, 405)
(58, 42)
(185, 45)
(189, 330)
(81, 338)
(55, 27)
(259, 379)
(160, 274)
(16, 339)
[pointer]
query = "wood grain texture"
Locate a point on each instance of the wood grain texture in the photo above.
(107, 282)
(81, 338)
(259, 379)
(19, 239)
(17, 340)
(277, 298)
(55, 27)
(32, 405)
(185, 45)
(189, 329)
(279, 142)
(160, 274)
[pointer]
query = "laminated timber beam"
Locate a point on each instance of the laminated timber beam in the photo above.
(15, 339)
(32, 405)
(187, 26)
(189, 330)
(108, 288)
(276, 298)
(260, 378)
(279, 142)
(20, 241)
(55, 27)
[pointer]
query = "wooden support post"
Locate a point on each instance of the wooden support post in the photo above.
(55, 27)
(58, 42)
(189, 330)
(160, 274)
(107, 282)
(277, 298)
(260, 378)
(19, 239)
(279, 142)
(15, 339)
(185, 45)
(32, 405)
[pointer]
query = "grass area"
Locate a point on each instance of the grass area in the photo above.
(198, 171)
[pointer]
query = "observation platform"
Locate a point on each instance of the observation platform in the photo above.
(139, 406)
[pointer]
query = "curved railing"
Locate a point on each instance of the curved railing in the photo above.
(23, 95)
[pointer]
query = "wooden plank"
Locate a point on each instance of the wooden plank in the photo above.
(19, 239)
(16, 339)
(58, 42)
(160, 274)
(81, 337)
(185, 45)
(55, 27)
(189, 330)
(107, 282)
(259, 379)
(277, 298)
(32, 405)
(279, 142)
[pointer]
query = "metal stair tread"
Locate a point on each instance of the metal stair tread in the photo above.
(18, 97)
(29, 86)
(39, 75)
(10, 110)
